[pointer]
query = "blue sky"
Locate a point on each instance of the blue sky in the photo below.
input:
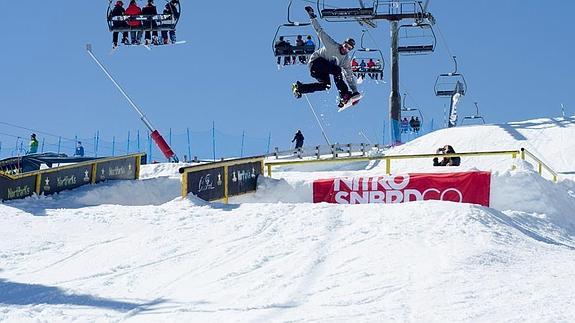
(515, 55)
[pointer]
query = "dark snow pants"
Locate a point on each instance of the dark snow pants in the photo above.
(321, 69)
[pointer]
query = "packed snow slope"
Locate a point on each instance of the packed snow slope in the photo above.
(136, 252)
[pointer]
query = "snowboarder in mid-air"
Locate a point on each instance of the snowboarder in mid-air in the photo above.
(331, 59)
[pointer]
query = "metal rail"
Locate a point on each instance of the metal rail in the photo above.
(514, 154)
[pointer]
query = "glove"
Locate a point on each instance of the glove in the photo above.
(310, 12)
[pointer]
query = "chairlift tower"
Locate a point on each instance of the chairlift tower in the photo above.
(393, 11)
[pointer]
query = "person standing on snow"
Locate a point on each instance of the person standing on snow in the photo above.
(33, 145)
(79, 150)
(331, 59)
(298, 138)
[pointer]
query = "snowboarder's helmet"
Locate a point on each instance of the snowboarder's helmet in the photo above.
(350, 42)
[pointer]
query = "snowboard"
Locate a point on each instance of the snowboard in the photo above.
(351, 102)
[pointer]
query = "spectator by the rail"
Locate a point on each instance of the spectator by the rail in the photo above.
(446, 161)
(33, 145)
(79, 149)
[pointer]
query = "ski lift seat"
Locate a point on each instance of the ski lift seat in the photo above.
(345, 13)
(444, 93)
(158, 23)
(415, 49)
(305, 49)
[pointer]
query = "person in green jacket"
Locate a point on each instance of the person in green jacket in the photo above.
(33, 144)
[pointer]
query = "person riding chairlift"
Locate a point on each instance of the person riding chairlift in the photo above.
(133, 10)
(118, 11)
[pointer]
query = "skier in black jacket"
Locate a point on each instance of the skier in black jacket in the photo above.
(298, 138)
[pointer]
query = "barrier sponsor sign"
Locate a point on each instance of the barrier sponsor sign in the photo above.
(463, 187)
(220, 180)
(57, 179)
(116, 169)
(65, 179)
(16, 189)
(242, 178)
(207, 184)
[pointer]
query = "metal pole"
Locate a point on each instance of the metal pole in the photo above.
(189, 147)
(142, 116)
(59, 143)
(395, 96)
(128, 148)
(155, 134)
(214, 139)
(150, 147)
(113, 145)
(243, 137)
(383, 134)
(317, 119)
(269, 141)
(97, 141)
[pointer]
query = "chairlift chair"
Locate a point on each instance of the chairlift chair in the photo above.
(450, 83)
(410, 111)
(366, 54)
(347, 10)
(289, 50)
(159, 22)
(476, 116)
(416, 39)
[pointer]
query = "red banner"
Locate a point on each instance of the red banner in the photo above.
(463, 187)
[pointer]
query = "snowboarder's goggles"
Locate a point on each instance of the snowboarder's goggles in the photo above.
(347, 46)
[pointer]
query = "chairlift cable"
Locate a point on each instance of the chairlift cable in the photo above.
(444, 41)
(372, 38)
(9, 135)
(35, 131)
(317, 119)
